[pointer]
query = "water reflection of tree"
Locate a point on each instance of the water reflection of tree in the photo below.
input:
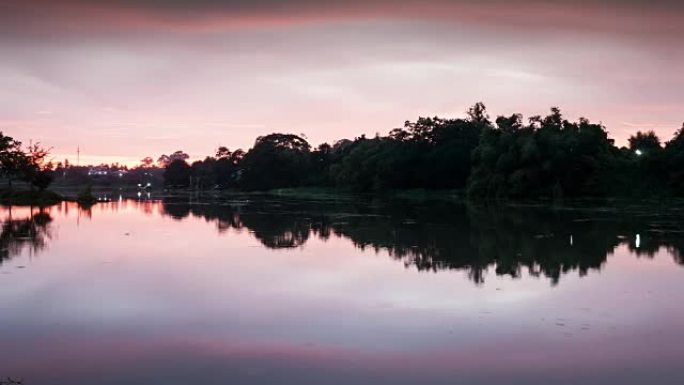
(660, 235)
(435, 237)
(32, 232)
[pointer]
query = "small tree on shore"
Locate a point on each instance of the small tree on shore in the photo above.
(29, 166)
(11, 158)
(34, 169)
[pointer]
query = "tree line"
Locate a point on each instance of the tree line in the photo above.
(507, 158)
(502, 158)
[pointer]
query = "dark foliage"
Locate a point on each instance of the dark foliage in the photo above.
(42, 179)
(505, 158)
(17, 234)
(27, 165)
(177, 174)
(276, 160)
(549, 157)
(674, 163)
(443, 236)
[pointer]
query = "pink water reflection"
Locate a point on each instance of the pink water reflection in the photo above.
(123, 293)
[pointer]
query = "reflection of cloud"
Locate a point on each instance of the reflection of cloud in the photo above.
(530, 354)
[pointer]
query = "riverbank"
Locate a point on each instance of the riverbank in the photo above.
(30, 198)
(21, 197)
(322, 193)
(634, 205)
(103, 194)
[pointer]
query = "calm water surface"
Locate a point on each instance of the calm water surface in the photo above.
(266, 291)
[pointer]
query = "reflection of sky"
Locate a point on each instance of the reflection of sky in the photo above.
(128, 296)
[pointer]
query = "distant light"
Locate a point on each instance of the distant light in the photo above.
(638, 152)
(637, 241)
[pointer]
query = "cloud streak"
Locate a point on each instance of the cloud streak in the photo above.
(659, 18)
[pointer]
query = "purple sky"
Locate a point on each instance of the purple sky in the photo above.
(126, 79)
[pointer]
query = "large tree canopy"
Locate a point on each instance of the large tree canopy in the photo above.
(276, 160)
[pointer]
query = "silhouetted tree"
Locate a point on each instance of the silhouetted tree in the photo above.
(34, 169)
(276, 160)
(165, 160)
(177, 174)
(427, 153)
(674, 150)
(649, 166)
(223, 152)
(147, 162)
(645, 142)
(12, 159)
(226, 168)
(550, 157)
(478, 114)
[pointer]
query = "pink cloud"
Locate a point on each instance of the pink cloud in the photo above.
(129, 79)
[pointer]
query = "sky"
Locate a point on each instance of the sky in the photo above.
(125, 79)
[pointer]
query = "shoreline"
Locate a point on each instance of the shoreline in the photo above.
(20, 197)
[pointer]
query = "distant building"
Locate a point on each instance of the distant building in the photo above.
(102, 171)
(98, 171)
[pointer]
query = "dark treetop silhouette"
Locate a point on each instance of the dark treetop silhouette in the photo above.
(547, 157)
(28, 165)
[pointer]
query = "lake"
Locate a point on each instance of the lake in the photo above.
(259, 290)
